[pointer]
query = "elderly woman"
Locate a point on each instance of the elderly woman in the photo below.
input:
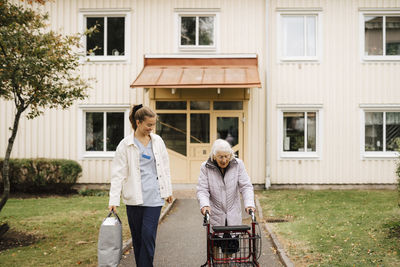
(222, 178)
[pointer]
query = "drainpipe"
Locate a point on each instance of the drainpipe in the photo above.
(267, 76)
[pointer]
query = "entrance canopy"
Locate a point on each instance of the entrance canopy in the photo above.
(181, 71)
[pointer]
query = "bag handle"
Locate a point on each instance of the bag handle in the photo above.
(115, 214)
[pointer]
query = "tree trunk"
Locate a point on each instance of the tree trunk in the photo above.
(6, 166)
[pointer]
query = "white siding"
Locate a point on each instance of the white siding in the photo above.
(55, 135)
(340, 82)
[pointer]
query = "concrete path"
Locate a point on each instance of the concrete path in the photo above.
(181, 239)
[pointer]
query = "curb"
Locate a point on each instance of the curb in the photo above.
(128, 243)
(279, 248)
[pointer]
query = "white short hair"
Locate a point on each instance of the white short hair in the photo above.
(221, 145)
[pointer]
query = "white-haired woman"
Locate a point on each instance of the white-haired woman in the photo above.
(222, 178)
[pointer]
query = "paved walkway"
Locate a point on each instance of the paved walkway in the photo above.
(181, 239)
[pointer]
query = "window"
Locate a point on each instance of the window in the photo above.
(299, 36)
(103, 129)
(110, 40)
(197, 30)
(381, 132)
(178, 105)
(228, 105)
(381, 35)
(299, 132)
(172, 128)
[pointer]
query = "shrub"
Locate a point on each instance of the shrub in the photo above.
(93, 192)
(42, 175)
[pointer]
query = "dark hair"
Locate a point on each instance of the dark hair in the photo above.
(139, 112)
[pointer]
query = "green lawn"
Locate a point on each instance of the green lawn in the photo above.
(336, 228)
(68, 226)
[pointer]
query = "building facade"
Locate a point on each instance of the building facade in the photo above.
(307, 92)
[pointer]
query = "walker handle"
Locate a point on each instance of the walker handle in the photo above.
(253, 216)
(206, 219)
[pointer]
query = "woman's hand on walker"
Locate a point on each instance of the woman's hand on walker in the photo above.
(112, 208)
(204, 209)
(250, 208)
(169, 199)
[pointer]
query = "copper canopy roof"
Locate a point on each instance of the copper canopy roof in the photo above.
(199, 72)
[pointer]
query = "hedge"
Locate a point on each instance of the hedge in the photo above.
(42, 175)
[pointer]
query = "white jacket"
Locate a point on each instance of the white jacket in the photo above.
(125, 173)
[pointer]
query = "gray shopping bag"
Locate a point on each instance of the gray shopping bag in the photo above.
(109, 248)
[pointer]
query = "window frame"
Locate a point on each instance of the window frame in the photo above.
(83, 109)
(318, 38)
(126, 13)
(382, 13)
(193, 13)
(303, 154)
(376, 108)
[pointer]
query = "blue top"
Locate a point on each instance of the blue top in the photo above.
(148, 173)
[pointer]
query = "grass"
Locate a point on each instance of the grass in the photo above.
(68, 227)
(336, 228)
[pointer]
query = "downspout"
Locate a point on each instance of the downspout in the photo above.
(267, 94)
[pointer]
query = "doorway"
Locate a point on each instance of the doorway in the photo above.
(189, 128)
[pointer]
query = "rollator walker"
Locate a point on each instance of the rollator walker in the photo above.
(237, 245)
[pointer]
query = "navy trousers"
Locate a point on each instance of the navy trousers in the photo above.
(143, 222)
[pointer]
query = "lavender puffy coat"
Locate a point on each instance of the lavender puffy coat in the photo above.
(222, 193)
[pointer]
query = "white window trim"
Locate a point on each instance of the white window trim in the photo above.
(83, 13)
(319, 37)
(83, 154)
(375, 108)
(378, 12)
(194, 13)
(317, 108)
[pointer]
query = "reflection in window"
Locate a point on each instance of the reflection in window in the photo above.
(380, 30)
(294, 124)
(373, 35)
(206, 30)
(392, 27)
(311, 131)
(376, 123)
(95, 41)
(115, 121)
(199, 105)
(188, 30)
(197, 30)
(178, 105)
(299, 36)
(94, 131)
(112, 123)
(172, 128)
(228, 105)
(228, 129)
(392, 131)
(373, 131)
(115, 36)
(200, 128)
(109, 35)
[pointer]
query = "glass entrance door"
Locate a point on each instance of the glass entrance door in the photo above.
(228, 126)
(189, 129)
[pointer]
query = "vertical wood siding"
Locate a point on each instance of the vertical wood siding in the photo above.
(340, 82)
(55, 134)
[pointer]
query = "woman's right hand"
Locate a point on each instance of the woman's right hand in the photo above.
(204, 209)
(112, 208)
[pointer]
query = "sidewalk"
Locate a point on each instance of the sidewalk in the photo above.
(181, 238)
